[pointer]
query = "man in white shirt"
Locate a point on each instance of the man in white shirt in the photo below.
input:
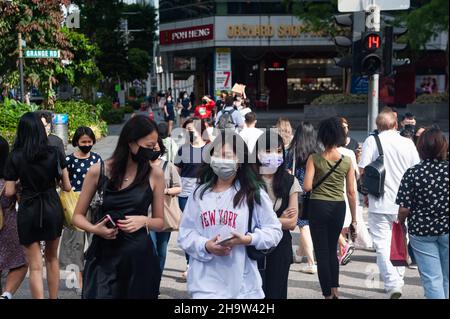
(400, 154)
(250, 133)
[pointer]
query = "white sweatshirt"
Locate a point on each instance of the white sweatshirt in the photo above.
(225, 277)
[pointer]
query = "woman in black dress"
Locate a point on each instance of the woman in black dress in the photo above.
(121, 262)
(40, 215)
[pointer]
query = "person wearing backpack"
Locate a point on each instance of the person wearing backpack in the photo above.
(229, 117)
(398, 154)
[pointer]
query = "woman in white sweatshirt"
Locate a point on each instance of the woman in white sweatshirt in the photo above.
(218, 210)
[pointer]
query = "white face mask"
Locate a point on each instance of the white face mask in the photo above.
(270, 162)
(185, 96)
(224, 168)
(169, 99)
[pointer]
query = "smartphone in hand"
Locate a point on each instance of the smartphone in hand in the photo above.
(110, 223)
(225, 240)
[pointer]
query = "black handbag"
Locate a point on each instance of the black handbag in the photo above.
(306, 196)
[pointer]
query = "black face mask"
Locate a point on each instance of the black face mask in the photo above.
(145, 154)
(85, 148)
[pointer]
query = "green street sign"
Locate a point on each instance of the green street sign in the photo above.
(42, 54)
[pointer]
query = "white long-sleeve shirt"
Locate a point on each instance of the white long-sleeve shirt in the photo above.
(225, 277)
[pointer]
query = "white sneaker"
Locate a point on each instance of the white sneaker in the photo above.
(395, 293)
(297, 258)
(308, 269)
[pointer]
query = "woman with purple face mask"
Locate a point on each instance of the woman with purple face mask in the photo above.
(283, 189)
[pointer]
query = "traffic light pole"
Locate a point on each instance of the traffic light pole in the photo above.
(373, 22)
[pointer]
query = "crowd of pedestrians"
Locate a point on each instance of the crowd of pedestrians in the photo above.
(239, 190)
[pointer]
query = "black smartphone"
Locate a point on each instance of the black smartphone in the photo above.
(352, 231)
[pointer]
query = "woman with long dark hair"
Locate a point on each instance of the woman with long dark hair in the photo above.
(12, 254)
(283, 189)
(171, 191)
(325, 176)
(303, 144)
(189, 161)
(39, 167)
(121, 262)
(214, 226)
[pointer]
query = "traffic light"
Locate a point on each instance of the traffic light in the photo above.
(390, 47)
(371, 53)
(356, 23)
(344, 20)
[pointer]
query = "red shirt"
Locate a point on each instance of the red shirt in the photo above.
(203, 111)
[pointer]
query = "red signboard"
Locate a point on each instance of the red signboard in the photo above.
(192, 34)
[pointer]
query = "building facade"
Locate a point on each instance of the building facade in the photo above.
(205, 46)
(214, 44)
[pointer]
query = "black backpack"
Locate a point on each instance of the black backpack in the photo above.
(226, 120)
(375, 173)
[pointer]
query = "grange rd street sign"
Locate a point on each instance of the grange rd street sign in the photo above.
(42, 54)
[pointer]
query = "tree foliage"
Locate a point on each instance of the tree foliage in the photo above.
(82, 71)
(39, 22)
(424, 20)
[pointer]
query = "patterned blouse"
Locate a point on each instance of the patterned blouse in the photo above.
(424, 190)
(78, 169)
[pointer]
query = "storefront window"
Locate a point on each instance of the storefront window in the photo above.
(310, 78)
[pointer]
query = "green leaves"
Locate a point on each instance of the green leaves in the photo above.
(82, 114)
(11, 112)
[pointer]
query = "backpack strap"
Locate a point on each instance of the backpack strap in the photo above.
(380, 148)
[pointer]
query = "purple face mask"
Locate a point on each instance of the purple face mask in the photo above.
(271, 160)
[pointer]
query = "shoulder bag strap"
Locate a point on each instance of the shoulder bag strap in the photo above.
(101, 184)
(164, 168)
(380, 148)
(250, 217)
(329, 173)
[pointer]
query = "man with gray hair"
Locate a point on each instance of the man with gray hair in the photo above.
(400, 154)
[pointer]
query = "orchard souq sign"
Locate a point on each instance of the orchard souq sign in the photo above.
(265, 31)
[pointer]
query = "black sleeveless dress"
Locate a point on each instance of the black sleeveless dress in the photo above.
(40, 216)
(126, 267)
